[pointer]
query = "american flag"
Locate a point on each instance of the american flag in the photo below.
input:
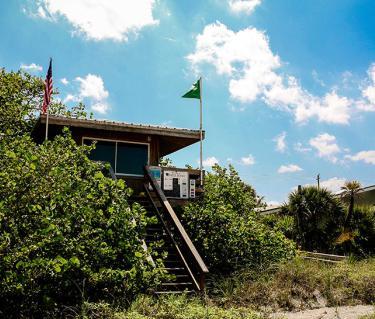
(48, 85)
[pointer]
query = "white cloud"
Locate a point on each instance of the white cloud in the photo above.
(101, 19)
(365, 156)
(317, 79)
(280, 142)
(31, 67)
(246, 6)
(300, 148)
(333, 184)
(254, 73)
(71, 98)
(92, 86)
(291, 168)
(64, 81)
(368, 93)
(210, 161)
(334, 109)
(326, 146)
(91, 89)
(100, 107)
(248, 160)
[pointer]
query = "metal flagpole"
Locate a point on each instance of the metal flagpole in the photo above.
(201, 129)
(48, 93)
(47, 123)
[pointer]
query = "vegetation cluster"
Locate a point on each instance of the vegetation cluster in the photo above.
(318, 220)
(67, 231)
(225, 228)
(71, 245)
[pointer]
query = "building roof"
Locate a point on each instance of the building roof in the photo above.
(120, 126)
(171, 139)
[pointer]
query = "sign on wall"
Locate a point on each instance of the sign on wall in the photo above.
(176, 183)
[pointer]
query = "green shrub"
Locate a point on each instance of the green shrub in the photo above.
(67, 231)
(362, 226)
(283, 223)
(225, 229)
(318, 218)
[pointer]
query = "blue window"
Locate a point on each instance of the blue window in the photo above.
(125, 158)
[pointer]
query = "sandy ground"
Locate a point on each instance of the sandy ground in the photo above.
(354, 312)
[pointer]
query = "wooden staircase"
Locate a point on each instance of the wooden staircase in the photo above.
(183, 261)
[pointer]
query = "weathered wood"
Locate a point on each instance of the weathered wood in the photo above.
(191, 275)
(162, 140)
(198, 261)
(322, 256)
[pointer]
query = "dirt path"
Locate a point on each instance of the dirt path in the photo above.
(328, 313)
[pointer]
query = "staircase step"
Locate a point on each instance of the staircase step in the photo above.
(180, 280)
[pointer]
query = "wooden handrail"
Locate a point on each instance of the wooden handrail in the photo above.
(201, 266)
(191, 275)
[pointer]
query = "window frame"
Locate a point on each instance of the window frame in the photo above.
(116, 142)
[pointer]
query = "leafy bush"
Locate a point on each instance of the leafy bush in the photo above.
(362, 224)
(283, 223)
(67, 231)
(20, 96)
(224, 227)
(318, 217)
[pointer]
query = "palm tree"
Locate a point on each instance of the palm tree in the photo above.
(317, 216)
(350, 189)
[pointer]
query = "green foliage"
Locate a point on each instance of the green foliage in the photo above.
(362, 225)
(225, 229)
(21, 98)
(283, 223)
(67, 232)
(165, 162)
(318, 217)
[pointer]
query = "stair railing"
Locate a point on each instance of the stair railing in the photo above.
(193, 262)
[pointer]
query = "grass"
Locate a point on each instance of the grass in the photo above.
(170, 307)
(251, 294)
(298, 284)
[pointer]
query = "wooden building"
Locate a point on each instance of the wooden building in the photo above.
(134, 152)
(129, 147)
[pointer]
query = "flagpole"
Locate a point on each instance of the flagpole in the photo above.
(201, 128)
(47, 124)
(47, 96)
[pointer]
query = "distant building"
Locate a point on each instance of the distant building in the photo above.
(364, 197)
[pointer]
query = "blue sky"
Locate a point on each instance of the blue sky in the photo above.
(288, 86)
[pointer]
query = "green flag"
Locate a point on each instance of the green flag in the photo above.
(194, 92)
